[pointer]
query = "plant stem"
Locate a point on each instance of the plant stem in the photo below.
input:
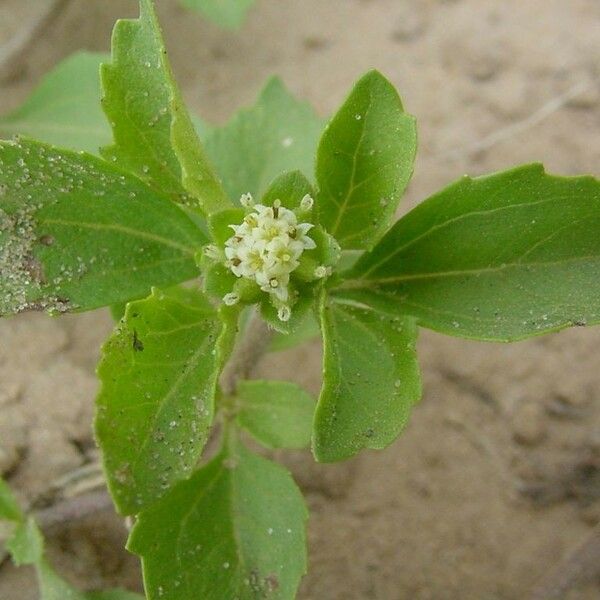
(246, 354)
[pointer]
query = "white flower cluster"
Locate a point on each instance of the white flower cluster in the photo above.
(266, 247)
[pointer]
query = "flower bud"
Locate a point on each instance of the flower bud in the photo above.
(231, 298)
(247, 200)
(322, 271)
(307, 202)
(284, 313)
(211, 251)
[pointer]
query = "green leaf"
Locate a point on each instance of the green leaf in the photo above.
(154, 136)
(498, 258)
(288, 187)
(370, 379)
(304, 304)
(159, 373)
(225, 13)
(235, 530)
(64, 110)
(26, 545)
(117, 311)
(277, 134)
(113, 595)
(364, 163)
(307, 329)
(53, 587)
(9, 507)
(278, 414)
(77, 234)
(27, 548)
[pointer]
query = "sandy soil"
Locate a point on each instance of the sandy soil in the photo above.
(498, 474)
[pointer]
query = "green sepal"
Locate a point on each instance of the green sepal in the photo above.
(219, 224)
(300, 307)
(306, 330)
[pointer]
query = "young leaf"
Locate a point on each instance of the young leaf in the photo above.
(27, 548)
(9, 508)
(290, 188)
(53, 587)
(364, 162)
(498, 258)
(26, 545)
(370, 379)
(278, 414)
(304, 305)
(278, 133)
(65, 109)
(77, 234)
(159, 372)
(235, 530)
(154, 136)
(226, 13)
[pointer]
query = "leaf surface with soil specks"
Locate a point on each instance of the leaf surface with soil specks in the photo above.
(235, 530)
(78, 234)
(500, 257)
(159, 373)
(371, 379)
(364, 163)
(154, 135)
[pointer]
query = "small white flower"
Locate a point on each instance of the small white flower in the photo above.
(301, 230)
(266, 247)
